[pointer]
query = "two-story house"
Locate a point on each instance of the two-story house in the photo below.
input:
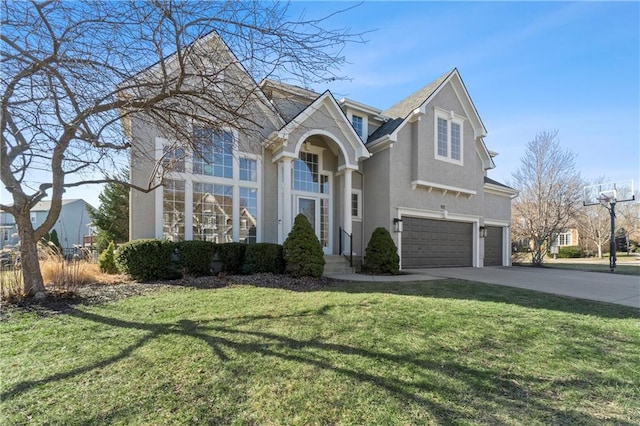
(418, 169)
(72, 226)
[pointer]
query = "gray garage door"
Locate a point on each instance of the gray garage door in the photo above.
(430, 243)
(493, 246)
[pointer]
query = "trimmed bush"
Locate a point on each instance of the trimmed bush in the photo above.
(107, 260)
(264, 257)
(145, 260)
(232, 257)
(196, 256)
(381, 254)
(570, 252)
(302, 250)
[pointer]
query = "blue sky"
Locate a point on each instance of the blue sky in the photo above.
(528, 66)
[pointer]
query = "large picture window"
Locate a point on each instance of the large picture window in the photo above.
(216, 195)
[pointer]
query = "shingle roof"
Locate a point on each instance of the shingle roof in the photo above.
(386, 129)
(403, 108)
(495, 182)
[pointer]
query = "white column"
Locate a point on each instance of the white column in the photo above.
(346, 214)
(287, 209)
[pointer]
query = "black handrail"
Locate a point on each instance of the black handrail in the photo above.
(349, 256)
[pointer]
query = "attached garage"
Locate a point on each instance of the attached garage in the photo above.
(493, 246)
(432, 243)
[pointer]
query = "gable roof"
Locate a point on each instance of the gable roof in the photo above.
(406, 106)
(415, 105)
(278, 139)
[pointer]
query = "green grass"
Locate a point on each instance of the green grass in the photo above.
(437, 352)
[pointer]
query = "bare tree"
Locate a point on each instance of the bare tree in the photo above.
(72, 72)
(549, 188)
(628, 218)
(594, 227)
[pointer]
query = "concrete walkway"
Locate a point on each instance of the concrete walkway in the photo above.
(599, 286)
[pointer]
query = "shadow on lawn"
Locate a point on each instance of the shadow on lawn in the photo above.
(517, 395)
(467, 290)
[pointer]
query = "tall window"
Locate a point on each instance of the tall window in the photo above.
(356, 200)
(173, 210)
(215, 156)
(449, 139)
(217, 198)
(356, 120)
(248, 214)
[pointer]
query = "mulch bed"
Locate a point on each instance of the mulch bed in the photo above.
(99, 293)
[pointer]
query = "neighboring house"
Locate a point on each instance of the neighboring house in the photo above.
(418, 169)
(568, 237)
(72, 225)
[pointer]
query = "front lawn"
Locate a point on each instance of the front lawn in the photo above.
(437, 352)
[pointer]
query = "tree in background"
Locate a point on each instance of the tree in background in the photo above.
(594, 224)
(550, 193)
(594, 227)
(73, 72)
(112, 216)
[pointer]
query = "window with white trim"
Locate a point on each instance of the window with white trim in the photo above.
(356, 204)
(564, 239)
(449, 138)
(173, 210)
(217, 198)
(357, 122)
(215, 156)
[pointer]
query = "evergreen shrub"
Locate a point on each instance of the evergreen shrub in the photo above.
(147, 259)
(302, 250)
(381, 254)
(232, 257)
(570, 252)
(264, 257)
(107, 260)
(195, 256)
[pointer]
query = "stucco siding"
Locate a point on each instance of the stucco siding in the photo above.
(497, 207)
(415, 150)
(377, 199)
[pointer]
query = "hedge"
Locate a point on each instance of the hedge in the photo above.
(570, 252)
(232, 257)
(195, 257)
(149, 259)
(264, 257)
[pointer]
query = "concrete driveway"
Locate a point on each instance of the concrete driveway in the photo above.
(600, 286)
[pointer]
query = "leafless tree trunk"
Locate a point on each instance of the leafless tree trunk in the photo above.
(72, 72)
(549, 188)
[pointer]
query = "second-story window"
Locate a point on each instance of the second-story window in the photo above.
(357, 122)
(449, 139)
(215, 156)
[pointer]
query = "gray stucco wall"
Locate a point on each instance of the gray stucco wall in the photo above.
(377, 193)
(497, 207)
(414, 159)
